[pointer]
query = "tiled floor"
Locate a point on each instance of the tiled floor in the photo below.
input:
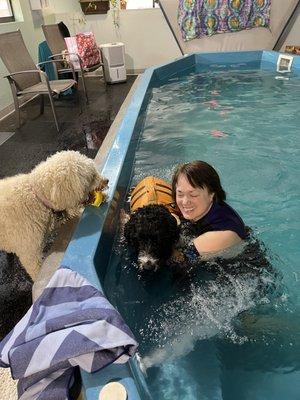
(37, 138)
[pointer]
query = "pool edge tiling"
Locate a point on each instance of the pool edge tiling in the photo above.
(89, 250)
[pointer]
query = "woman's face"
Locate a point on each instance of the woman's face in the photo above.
(193, 203)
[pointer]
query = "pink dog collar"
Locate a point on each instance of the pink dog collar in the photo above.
(43, 200)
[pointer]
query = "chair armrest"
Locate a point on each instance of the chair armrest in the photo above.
(38, 71)
(55, 55)
(50, 61)
(69, 61)
(58, 61)
(65, 53)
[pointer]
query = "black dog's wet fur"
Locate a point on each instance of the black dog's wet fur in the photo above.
(15, 292)
(154, 230)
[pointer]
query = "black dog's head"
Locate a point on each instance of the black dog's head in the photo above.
(151, 233)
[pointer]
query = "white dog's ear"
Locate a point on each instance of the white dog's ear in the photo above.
(67, 191)
(58, 196)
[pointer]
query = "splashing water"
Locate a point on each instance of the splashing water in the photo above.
(207, 311)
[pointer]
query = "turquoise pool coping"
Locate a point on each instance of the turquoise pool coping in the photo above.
(90, 247)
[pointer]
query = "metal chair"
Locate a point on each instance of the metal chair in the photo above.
(25, 77)
(57, 45)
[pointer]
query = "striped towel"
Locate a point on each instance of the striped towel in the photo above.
(71, 324)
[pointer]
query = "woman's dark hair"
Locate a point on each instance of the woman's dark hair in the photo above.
(200, 174)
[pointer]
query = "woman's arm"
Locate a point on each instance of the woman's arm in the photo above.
(205, 247)
(211, 242)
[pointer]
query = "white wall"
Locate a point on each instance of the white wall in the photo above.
(145, 33)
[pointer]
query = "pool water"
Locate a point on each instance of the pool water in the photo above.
(209, 339)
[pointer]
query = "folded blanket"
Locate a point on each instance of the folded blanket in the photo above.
(70, 324)
(198, 18)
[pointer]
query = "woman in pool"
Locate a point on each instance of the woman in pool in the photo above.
(211, 223)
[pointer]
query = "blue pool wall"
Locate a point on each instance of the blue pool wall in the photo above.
(89, 250)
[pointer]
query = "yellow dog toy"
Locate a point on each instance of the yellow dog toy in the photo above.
(96, 198)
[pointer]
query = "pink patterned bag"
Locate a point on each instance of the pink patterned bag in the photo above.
(87, 49)
(73, 50)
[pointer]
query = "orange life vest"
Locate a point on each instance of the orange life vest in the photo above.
(152, 190)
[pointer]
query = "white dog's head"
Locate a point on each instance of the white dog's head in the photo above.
(66, 179)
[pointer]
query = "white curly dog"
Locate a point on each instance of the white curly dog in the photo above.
(31, 203)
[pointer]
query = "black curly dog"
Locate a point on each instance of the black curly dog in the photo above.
(15, 292)
(151, 233)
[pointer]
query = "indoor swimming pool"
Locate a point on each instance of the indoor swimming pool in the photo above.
(235, 338)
